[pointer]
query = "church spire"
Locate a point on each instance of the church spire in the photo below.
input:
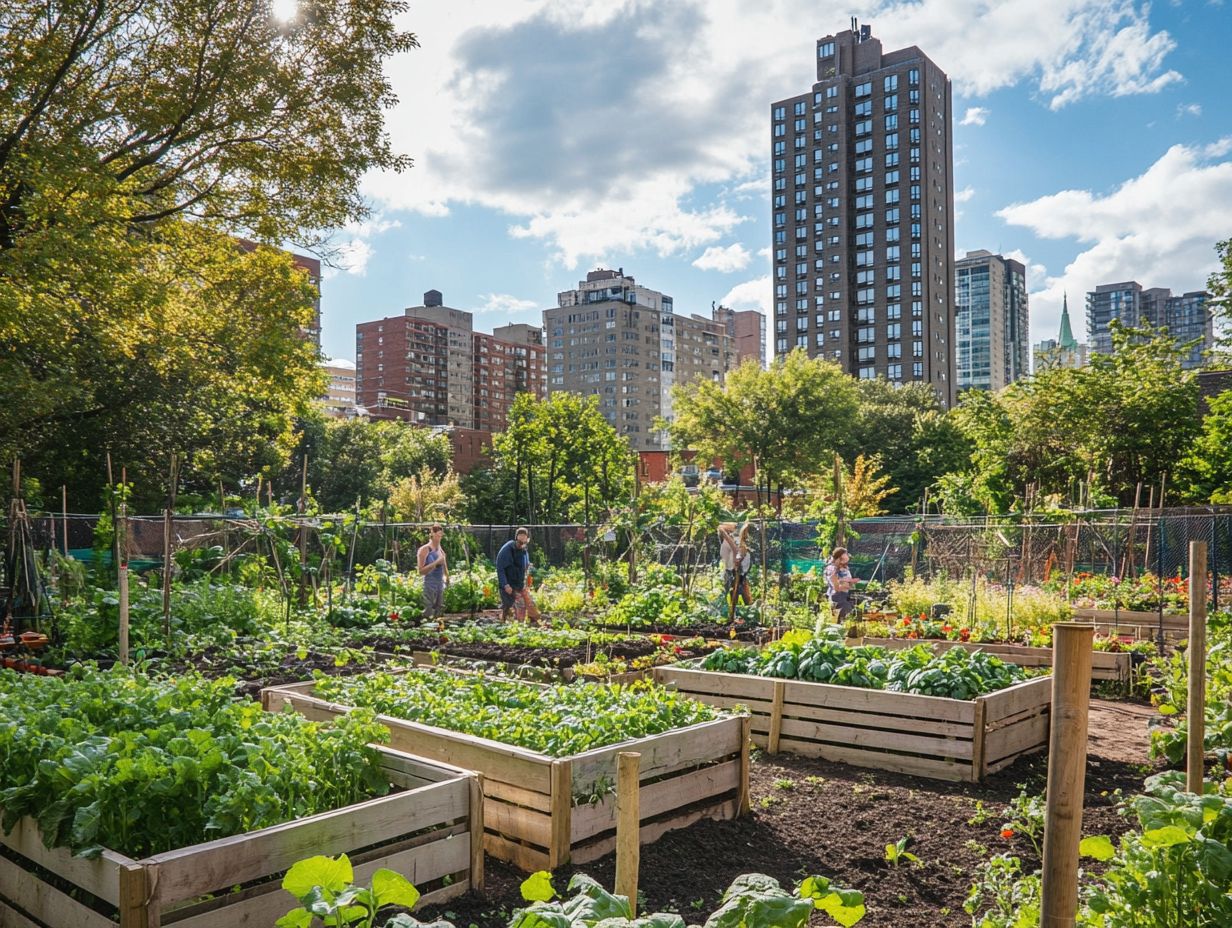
(1066, 340)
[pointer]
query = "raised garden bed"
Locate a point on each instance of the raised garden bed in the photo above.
(541, 812)
(1144, 625)
(1105, 665)
(931, 736)
(429, 831)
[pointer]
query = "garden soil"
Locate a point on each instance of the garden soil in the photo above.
(815, 817)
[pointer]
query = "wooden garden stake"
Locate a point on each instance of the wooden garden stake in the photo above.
(303, 534)
(167, 526)
(121, 530)
(1196, 700)
(628, 826)
(1067, 759)
(64, 516)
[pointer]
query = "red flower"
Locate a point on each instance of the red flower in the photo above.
(1007, 832)
(394, 617)
(947, 628)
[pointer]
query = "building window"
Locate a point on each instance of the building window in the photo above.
(864, 90)
(891, 121)
(913, 77)
(825, 50)
(890, 84)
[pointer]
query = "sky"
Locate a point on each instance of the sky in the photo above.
(1092, 142)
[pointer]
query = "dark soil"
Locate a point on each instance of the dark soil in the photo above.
(816, 817)
(259, 670)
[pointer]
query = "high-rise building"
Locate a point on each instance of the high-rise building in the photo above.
(863, 207)
(747, 330)
(1187, 318)
(624, 343)
(991, 321)
(339, 398)
(1064, 350)
(430, 367)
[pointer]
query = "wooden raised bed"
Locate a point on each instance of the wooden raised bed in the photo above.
(1105, 665)
(429, 832)
(541, 812)
(1142, 625)
(947, 739)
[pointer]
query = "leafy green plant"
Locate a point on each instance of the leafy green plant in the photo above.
(752, 901)
(1026, 817)
(327, 896)
(897, 852)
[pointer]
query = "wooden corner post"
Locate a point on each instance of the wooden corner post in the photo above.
(1067, 760)
(562, 814)
(1196, 698)
(628, 826)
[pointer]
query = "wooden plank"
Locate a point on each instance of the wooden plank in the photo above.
(518, 823)
(1105, 662)
(656, 799)
(883, 701)
(1029, 734)
(776, 718)
(526, 858)
(475, 830)
(421, 865)
(892, 741)
(662, 753)
(137, 910)
(100, 877)
(1020, 696)
(899, 763)
(507, 792)
(714, 682)
(562, 812)
(44, 902)
(902, 723)
(653, 831)
(760, 708)
(12, 918)
(496, 761)
(979, 733)
(744, 801)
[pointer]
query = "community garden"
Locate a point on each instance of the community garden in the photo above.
(270, 715)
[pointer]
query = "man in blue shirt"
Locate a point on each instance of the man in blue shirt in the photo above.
(512, 578)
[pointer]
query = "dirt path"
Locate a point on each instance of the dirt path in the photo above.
(812, 816)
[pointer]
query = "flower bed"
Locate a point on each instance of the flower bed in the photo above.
(98, 785)
(933, 736)
(553, 802)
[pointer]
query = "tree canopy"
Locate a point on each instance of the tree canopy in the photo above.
(136, 139)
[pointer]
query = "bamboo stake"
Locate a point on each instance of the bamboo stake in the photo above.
(303, 534)
(628, 826)
(1067, 758)
(167, 525)
(1196, 701)
(121, 532)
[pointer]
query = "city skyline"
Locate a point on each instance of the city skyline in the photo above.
(553, 138)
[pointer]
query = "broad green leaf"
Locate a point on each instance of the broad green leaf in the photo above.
(1097, 846)
(538, 887)
(1167, 836)
(297, 918)
(391, 888)
(1168, 709)
(846, 906)
(331, 874)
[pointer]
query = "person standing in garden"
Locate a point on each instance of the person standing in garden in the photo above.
(434, 568)
(513, 578)
(736, 557)
(839, 582)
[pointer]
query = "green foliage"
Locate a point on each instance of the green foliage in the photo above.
(325, 890)
(119, 761)
(788, 419)
(544, 719)
(897, 852)
(955, 674)
(1206, 469)
(752, 901)
(1169, 675)
(135, 140)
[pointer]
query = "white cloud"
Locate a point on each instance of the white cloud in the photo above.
(962, 196)
(975, 116)
(349, 257)
(1188, 109)
(752, 294)
(1159, 228)
(592, 125)
(732, 258)
(506, 304)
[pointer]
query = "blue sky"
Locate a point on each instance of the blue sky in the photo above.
(1092, 140)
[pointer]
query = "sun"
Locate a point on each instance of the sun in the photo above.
(284, 10)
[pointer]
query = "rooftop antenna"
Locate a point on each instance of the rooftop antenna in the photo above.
(855, 25)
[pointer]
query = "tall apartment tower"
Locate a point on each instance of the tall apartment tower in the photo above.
(747, 330)
(624, 343)
(507, 362)
(418, 366)
(991, 321)
(863, 214)
(1186, 318)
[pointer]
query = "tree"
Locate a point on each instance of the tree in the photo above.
(1219, 286)
(565, 462)
(136, 138)
(787, 420)
(1205, 473)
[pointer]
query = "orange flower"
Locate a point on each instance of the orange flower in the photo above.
(1007, 832)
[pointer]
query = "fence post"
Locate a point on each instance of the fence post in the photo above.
(1214, 562)
(628, 826)
(1196, 700)
(1067, 759)
(1159, 574)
